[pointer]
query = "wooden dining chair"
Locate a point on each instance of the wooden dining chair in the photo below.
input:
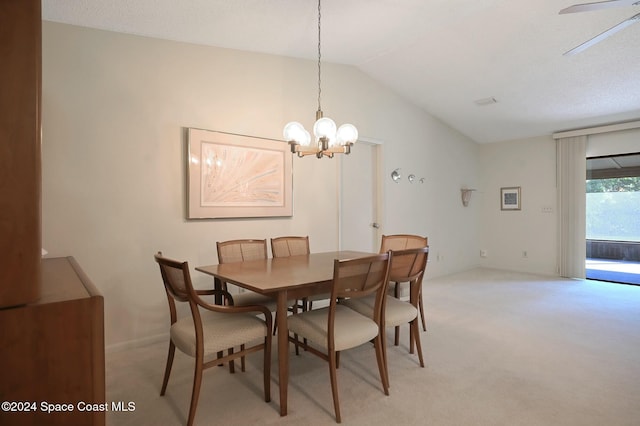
(294, 246)
(336, 328)
(289, 246)
(403, 242)
(211, 329)
(406, 266)
(232, 251)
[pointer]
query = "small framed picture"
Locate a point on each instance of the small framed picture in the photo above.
(510, 198)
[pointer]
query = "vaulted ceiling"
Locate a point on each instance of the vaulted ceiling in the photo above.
(442, 55)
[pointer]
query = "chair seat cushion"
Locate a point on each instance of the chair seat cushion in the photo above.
(351, 328)
(220, 331)
(317, 297)
(253, 298)
(397, 312)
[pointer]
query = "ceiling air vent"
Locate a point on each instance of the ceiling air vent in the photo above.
(486, 101)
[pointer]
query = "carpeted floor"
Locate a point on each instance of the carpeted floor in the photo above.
(501, 348)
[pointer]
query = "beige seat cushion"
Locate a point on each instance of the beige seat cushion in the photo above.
(351, 328)
(253, 298)
(397, 312)
(220, 331)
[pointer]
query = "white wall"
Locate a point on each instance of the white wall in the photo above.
(114, 111)
(505, 235)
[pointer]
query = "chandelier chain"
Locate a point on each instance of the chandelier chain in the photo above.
(319, 56)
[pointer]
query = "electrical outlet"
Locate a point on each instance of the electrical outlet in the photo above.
(483, 253)
(525, 255)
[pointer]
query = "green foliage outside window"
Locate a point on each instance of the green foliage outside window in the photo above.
(613, 209)
(626, 184)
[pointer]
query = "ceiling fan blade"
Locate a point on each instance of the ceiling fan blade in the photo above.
(586, 7)
(603, 35)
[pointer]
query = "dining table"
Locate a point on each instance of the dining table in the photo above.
(284, 279)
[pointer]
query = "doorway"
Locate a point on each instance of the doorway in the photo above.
(360, 198)
(612, 212)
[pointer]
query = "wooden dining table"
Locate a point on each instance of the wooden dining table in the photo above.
(284, 279)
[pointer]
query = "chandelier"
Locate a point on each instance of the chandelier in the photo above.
(329, 140)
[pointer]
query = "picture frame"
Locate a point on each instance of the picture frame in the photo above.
(510, 198)
(237, 176)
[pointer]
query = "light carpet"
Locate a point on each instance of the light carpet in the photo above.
(501, 348)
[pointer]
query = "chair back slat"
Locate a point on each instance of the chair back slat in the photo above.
(241, 250)
(408, 265)
(402, 242)
(289, 246)
(178, 286)
(175, 276)
(359, 277)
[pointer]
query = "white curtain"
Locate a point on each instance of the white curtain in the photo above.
(571, 178)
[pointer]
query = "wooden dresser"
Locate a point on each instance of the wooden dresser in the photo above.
(52, 351)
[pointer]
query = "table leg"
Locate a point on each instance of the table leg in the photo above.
(283, 350)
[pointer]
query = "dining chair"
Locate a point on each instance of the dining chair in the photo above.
(211, 329)
(403, 242)
(294, 246)
(232, 251)
(336, 328)
(289, 246)
(406, 266)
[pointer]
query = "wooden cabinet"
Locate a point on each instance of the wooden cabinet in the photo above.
(52, 351)
(20, 168)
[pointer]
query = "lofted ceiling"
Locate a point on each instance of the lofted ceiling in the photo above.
(442, 55)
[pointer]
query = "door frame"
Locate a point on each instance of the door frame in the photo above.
(378, 146)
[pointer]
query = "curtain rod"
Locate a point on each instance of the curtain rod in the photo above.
(600, 129)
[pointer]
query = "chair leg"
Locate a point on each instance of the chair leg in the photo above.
(266, 368)
(396, 293)
(384, 358)
(232, 364)
(242, 359)
(294, 311)
(195, 394)
(334, 384)
(295, 336)
(382, 363)
(167, 370)
(424, 322)
(415, 336)
(412, 345)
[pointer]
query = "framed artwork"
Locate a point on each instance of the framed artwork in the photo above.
(236, 176)
(510, 198)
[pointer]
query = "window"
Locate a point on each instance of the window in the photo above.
(613, 209)
(613, 198)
